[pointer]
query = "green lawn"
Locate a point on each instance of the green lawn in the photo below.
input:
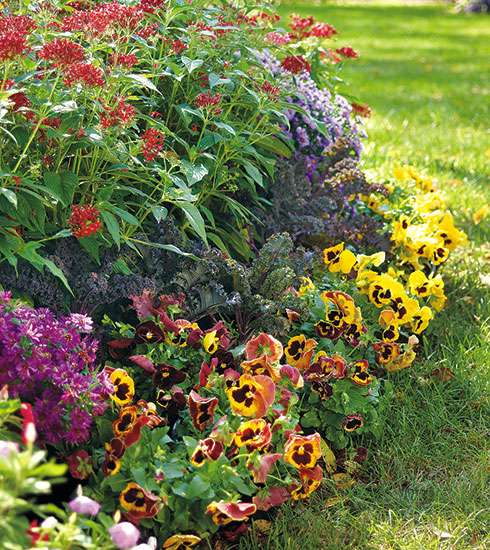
(424, 72)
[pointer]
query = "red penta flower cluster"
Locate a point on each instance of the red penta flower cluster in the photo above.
(84, 221)
(363, 110)
(121, 114)
(126, 60)
(62, 52)
(84, 73)
(19, 23)
(295, 64)
(322, 30)
(207, 101)
(18, 99)
(347, 51)
(178, 46)
(269, 90)
(152, 143)
(301, 23)
(150, 6)
(12, 44)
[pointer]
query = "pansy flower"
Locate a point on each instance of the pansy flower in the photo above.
(326, 329)
(210, 342)
(225, 360)
(353, 422)
(388, 320)
(322, 364)
(339, 303)
(254, 434)
(123, 387)
(338, 259)
(420, 320)
(167, 376)
(419, 284)
(208, 449)
(118, 349)
(201, 409)
(307, 285)
(172, 402)
(261, 472)
(299, 351)
(181, 542)
(253, 395)
(360, 376)
(226, 512)
(386, 351)
(264, 345)
(339, 367)
(293, 374)
(310, 480)
(124, 424)
(179, 338)
(261, 366)
(322, 388)
(114, 451)
(303, 451)
(383, 289)
(139, 502)
(353, 332)
(402, 361)
(148, 332)
(404, 307)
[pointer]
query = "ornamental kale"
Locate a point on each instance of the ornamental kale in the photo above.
(50, 363)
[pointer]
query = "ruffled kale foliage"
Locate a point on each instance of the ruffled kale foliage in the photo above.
(324, 209)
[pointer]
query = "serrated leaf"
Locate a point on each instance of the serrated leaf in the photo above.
(9, 195)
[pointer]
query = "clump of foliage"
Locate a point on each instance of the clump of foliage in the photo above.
(324, 209)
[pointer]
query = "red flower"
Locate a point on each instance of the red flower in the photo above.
(126, 60)
(84, 221)
(84, 73)
(121, 114)
(20, 23)
(152, 144)
(269, 90)
(178, 46)
(322, 30)
(79, 465)
(363, 110)
(295, 64)
(62, 52)
(207, 101)
(347, 51)
(301, 23)
(29, 430)
(12, 44)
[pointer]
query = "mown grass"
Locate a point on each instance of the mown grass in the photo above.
(424, 72)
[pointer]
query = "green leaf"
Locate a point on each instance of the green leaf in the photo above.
(10, 195)
(254, 173)
(159, 212)
(191, 64)
(112, 226)
(143, 81)
(123, 214)
(195, 219)
(197, 487)
(194, 173)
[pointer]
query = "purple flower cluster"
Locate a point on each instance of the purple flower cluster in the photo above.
(50, 362)
(327, 124)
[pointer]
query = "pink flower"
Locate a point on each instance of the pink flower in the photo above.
(124, 535)
(84, 505)
(6, 447)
